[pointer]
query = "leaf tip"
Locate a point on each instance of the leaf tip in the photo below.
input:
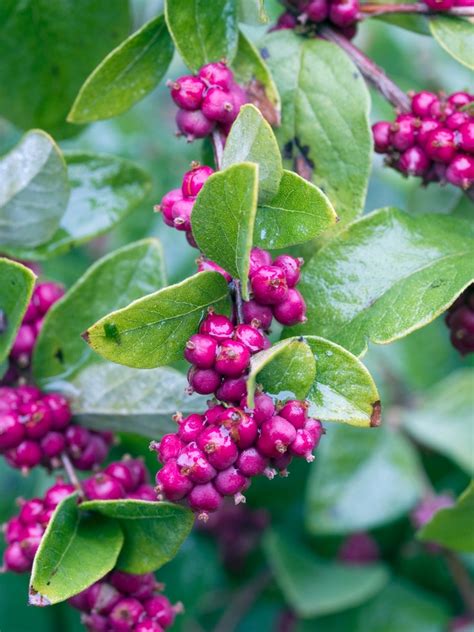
(376, 416)
(85, 336)
(35, 598)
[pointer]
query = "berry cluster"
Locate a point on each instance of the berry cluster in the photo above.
(339, 13)
(435, 141)
(211, 99)
(177, 204)
(44, 296)
(460, 320)
(216, 454)
(36, 428)
(123, 602)
(23, 533)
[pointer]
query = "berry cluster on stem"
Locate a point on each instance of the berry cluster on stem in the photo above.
(460, 320)
(342, 14)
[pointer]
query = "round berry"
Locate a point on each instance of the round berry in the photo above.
(404, 132)
(14, 530)
(23, 344)
(217, 74)
(292, 310)
(25, 456)
(31, 510)
(381, 132)
(303, 445)
(204, 498)
(28, 394)
(37, 419)
(276, 435)
(167, 203)
(242, 428)
(460, 171)
(53, 444)
(465, 137)
(413, 162)
(217, 444)
(232, 389)
(457, 119)
(200, 350)
(250, 337)
(291, 267)
(317, 10)
(9, 399)
(440, 5)
(194, 180)
(102, 597)
(315, 429)
(460, 99)
(187, 92)
(259, 258)
(269, 285)
(441, 110)
(217, 326)
(190, 427)
(56, 494)
(172, 484)
(193, 124)
(343, 13)
(181, 214)
(254, 312)
(12, 431)
(192, 462)
(421, 103)
(45, 295)
(263, 409)
(232, 358)
(94, 453)
(230, 481)
(251, 462)
(205, 265)
(148, 625)
(121, 473)
(103, 487)
(296, 412)
(160, 610)
(440, 145)
(204, 381)
(60, 411)
(125, 614)
(15, 559)
(218, 105)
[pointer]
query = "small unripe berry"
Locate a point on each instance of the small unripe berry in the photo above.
(269, 285)
(187, 92)
(194, 180)
(276, 435)
(194, 124)
(217, 74)
(292, 310)
(204, 381)
(255, 312)
(200, 350)
(172, 483)
(217, 326)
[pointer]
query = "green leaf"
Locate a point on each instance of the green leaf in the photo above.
(443, 419)
(34, 191)
(287, 369)
(153, 531)
(47, 50)
(299, 212)
(325, 124)
(251, 71)
(223, 219)
(343, 390)
(202, 31)
(315, 587)
(253, 12)
(16, 287)
(104, 189)
(126, 75)
(109, 396)
(112, 282)
(153, 330)
(380, 467)
(384, 276)
(452, 527)
(456, 36)
(76, 550)
(251, 139)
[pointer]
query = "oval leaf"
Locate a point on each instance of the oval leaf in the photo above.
(379, 466)
(252, 12)
(384, 276)
(314, 587)
(111, 283)
(153, 330)
(223, 219)
(456, 36)
(61, 44)
(76, 550)
(251, 139)
(104, 189)
(153, 531)
(287, 369)
(299, 212)
(343, 390)
(325, 131)
(107, 396)
(34, 191)
(126, 75)
(16, 287)
(203, 31)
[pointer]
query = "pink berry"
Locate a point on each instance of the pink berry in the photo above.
(181, 214)
(159, 609)
(95, 622)
(31, 314)
(187, 92)
(194, 124)
(167, 203)
(80, 601)
(201, 350)
(286, 21)
(230, 482)
(242, 428)
(257, 313)
(102, 597)
(291, 267)
(426, 127)
(466, 137)
(190, 239)
(282, 462)
(303, 445)
(276, 435)
(440, 5)
(121, 473)
(14, 530)
(217, 74)
(404, 132)
(218, 105)
(232, 358)
(291, 310)
(194, 180)
(31, 510)
(413, 162)
(317, 10)
(23, 344)
(212, 414)
(60, 411)
(125, 614)
(205, 265)
(460, 171)
(190, 427)
(103, 487)
(460, 99)
(204, 381)
(25, 456)
(204, 498)
(192, 462)
(457, 119)
(37, 419)
(259, 258)
(440, 145)
(11, 430)
(315, 428)
(421, 103)
(93, 454)
(143, 492)
(138, 470)
(129, 583)
(251, 462)
(77, 438)
(53, 444)
(9, 399)
(217, 326)
(232, 389)
(296, 412)
(217, 444)
(28, 394)
(45, 295)
(15, 559)
(172, 483)
(56, 494)
(343, 13)
(269, 285)
(381, 132)
(148, 625)
(441, 110)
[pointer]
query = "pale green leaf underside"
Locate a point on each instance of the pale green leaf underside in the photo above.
(456, 36)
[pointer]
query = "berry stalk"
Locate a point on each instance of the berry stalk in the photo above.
(71, 473)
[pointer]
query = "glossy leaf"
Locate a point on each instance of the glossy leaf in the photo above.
(315, 587)
(109, 396)
(34, 191)
(112, 282)
(251, 71)
(384, 276)
(47, 50)
(153, 330)
(456, 36)
(452, 527)
(343, 390)
(104, 189)
(76, 550)
(126, 75)
(16, 286)
(325, 126)
(223, 219)
(287, 369)
(299, 212)
(442, 421)
(253, 12)
(378, 466)
(153, 531)
(251, 139)
(202, 31)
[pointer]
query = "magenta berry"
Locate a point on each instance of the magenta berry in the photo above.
(194, 124)
(172, 484)
(440, 145)
(256, 313)
(263, 407)
(439, 5)
(413, 162)
(251, 462)
(457, 119)
(130, 583)
(121, 473)
(37, 419)
(103, 487)
(251, 337)
(465, 138)
(57, 493)
(167, 203)
(269, 285)
(382, 136)
(60, 411)
(259, 258)
(181, 214)
(205, 265)
(218, 446)
(31, 510)
(159, 609)
(204, 498)
(14, 530)
(204, 381)
(292, 310)
(187, 92)
(460, 171)
(317, 10)
(216, 74)
(315, 428)
(15, 559)
(25, 456)
(218, 105)
(125, 614)
(303, 445)
(243, 428)
(102, 597)
(190, 427)
(343, 12)
(52, 444)
(460, 99)
(232, 389)
(421, 103)
(232, 358)
(295, 412)
(23, 344)
(426, 127)
(217, 326)
(212, 414)
(291, 267)
(192, 462)
(194, 180)
(201, 350)
(403, 132)
(94, 453)
(230, 481)
(276, 435)
(148, 625)
(45, 295)
(12, 431)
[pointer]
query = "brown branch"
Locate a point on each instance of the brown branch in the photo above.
(374, 10)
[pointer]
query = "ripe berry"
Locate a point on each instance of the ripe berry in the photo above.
(317, 10)
(254, 312)
(216, 74)
(11, 430)
(60, 411)
(315, 428)
(204, 498)
(190, 427)
(440, 5)
(291, 310)
(9, 399)
(148, 625)
(230, 482)
(172, 483)
(203, 381)
(460, 171)
(263, 409)
(217, 326)
(381, 132)
(23, 344)
(52, 444)
(160, 610)
(103, 487)
(460, 99)
(303, 445)
(286, 21)
(94, 453)
(251, 337)
(269, 285)
(440, 145)
(37, 419)
(193, 124)
(296, 412)
(413, 162)
(144, 492)
(212, 414)
(291, 267)
(205, 265)
(31, 314)
(131, 583)
(232, 389)
(138, 469)
(95, 622)
(187, 92)
(25, 456)
(181, 214)
(243, 428)
(404, 132)
(14, 530)
(276, 435)
(426, 127)
(125, 614)
(441, 110)
(56, 494)
(343, 12)
(201, 350)
(28, 393)
(121, 473)
(421, 103)
(251, 462)
(194, 180)
(167, 203)
(102, 597)
(192, 462)
(259, 258)
(15, 559)
(217, 444)
(456, 120)
(45, 295)
(465, 137)
(232, 358)
(31, 510)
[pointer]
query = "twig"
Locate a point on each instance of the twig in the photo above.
(238, 301)
(461, 579)
(218, 145)
(373, 73)
(71, 473)
(374, 10)
(242, 601)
